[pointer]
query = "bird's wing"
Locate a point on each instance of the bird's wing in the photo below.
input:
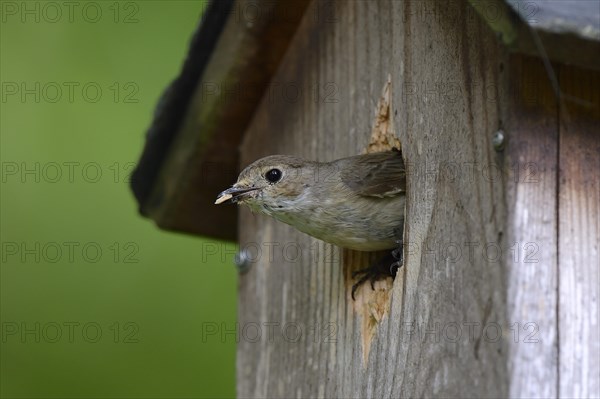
(379, 174)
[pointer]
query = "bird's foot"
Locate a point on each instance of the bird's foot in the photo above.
(387, 267)
(398, 255)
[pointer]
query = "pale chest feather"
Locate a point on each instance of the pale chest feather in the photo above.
(347, 220)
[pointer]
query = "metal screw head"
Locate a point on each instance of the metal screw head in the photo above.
(242, 261)
(498, 140)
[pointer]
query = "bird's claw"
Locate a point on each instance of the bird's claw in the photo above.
(368, 274)
(378, 270)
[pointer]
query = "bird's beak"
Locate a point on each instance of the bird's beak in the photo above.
(233, 194)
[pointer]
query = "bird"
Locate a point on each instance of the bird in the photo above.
(356, 202)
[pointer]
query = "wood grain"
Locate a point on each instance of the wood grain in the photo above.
(579, 234)
(447, 101)
(532, 228)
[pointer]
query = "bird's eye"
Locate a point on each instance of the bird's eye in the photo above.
(273, 175)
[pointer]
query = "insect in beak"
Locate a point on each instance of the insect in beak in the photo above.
(234, 194)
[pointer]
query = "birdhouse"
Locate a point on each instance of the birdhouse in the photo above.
(496, 106)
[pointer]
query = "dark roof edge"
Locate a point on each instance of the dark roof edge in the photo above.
(174, 102)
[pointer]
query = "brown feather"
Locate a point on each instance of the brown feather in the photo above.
(379, 174)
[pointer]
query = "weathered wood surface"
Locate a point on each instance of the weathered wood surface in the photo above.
(446, 332)
(532, 230)
(579, 234)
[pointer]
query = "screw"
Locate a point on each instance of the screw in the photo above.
(242, 261)
(498, 140)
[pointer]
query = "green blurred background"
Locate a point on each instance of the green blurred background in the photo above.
(66, 158)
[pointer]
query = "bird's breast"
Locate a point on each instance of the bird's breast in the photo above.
(354, 222)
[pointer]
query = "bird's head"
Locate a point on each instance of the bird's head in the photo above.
(269, 184)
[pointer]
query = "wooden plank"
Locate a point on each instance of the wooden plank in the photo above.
(447, 100)
(531, 263)
(579, 233)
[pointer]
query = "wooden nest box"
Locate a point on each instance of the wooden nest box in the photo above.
(496, 104)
